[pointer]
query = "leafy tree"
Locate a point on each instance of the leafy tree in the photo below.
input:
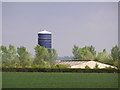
(41, 54)
(9, 57)
(91, 49)
(104, 50)
(85, 54)
(4, 52)
(24, 57)
(12, 55)
(117, 63)
(104, 57)
(89, 56)
(76, 52)
(115, 52)
(53, 57)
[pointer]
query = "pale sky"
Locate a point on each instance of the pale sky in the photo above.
(87, 23)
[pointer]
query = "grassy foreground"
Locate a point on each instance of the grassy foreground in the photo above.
(59, 80)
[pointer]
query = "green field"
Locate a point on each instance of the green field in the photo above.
(59, 80)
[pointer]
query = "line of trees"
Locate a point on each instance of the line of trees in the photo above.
(89, 53)
(21, 58)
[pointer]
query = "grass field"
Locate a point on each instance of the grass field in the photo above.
(59, 80)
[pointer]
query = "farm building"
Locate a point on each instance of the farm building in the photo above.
(84, 63)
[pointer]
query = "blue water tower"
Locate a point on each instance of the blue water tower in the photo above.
(44, 39)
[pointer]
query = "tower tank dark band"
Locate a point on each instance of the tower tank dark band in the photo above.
(44, 39)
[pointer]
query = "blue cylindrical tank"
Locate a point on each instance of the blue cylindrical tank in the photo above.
(44, 39)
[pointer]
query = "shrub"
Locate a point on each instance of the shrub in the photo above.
(87, 67)
(109, 68)
(61, 66)
(96, 66)
(105, 70)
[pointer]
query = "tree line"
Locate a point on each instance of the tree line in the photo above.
(89, 53)
(21, 58)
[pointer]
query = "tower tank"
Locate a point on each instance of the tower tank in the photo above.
(44, 39)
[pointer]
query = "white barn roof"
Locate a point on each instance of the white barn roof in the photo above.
(82, 64)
